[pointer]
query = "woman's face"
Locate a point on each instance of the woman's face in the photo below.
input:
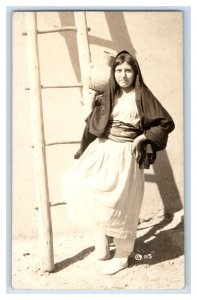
(124, 75)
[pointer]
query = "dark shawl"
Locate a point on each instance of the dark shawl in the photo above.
(155, 121)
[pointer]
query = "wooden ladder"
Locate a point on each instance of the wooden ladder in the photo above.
(37, 124)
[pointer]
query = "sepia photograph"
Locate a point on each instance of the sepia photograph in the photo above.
(98, 150)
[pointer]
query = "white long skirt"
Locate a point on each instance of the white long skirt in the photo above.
(104, 189)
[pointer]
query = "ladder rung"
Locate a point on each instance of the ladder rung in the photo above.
(58, 29)
(80, 84)
(63, 142)
(58, 86)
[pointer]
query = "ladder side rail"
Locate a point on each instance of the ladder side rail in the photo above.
(84, 59)
(40, 166)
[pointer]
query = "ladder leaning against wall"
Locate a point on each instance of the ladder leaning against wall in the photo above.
(38, 137)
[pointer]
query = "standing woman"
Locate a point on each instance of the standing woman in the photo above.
(104, 188)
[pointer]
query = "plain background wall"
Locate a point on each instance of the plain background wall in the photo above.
(156, 38)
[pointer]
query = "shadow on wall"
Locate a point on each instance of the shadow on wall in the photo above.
(67, 19)
(164, 178)
(120, 39)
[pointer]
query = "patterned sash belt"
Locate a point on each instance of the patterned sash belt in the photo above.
(120, 132)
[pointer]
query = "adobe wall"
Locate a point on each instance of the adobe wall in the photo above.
(156, 40)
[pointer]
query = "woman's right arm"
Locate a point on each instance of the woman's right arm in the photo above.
(136, 144)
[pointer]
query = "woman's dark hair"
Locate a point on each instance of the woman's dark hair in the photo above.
(122, 57)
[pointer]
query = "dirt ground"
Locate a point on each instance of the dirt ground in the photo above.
(157, 261)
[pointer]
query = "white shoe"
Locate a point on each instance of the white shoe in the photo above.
(115, 265)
